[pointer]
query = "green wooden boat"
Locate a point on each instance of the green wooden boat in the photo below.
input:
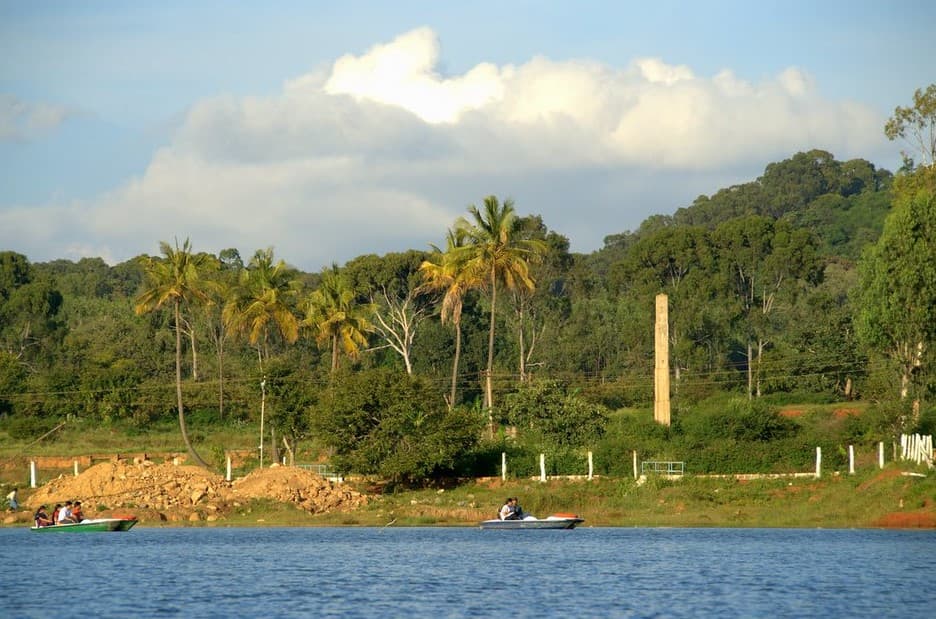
(90, 526)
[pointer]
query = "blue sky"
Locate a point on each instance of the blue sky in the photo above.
(328, 130)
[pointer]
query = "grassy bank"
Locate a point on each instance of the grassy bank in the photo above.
(870, 498)
(874, 499)
(879, 498)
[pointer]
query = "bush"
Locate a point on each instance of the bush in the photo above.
(388, 423)
(550, 418)
(741, 420)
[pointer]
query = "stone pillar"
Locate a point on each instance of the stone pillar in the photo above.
(661, 379)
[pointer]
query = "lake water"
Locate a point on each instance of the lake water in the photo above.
(466, 572)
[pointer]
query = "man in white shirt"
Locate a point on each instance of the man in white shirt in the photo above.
(64, 515)
(506, 510)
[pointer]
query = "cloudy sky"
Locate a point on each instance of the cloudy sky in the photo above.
(328, 130)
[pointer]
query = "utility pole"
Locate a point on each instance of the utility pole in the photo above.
(262, 412)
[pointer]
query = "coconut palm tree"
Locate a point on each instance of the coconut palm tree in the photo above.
(174, 279)
(263, 300)
(496, 249)
(336, 318)
(450, 275)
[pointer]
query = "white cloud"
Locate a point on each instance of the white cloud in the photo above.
(403, 73)
(21, 120)
(382, 152)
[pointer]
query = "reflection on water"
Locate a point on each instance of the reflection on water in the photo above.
(362, 572)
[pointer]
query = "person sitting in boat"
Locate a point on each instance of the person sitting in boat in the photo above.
(507, 510)
(510, 510)
(64, 514)
(55, 512)
(42, 518)
(518, 513)
(76, 514)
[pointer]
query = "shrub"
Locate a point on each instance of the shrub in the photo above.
(549, 417)
(386, 422)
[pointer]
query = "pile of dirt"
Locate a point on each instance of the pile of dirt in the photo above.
(303, 488)
(166, 492)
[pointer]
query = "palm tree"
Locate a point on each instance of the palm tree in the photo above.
(336, 318)
(450, 275)
(174, 279)
(496, 250)
(263, 300)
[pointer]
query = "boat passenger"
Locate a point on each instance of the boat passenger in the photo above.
(518, 513)
(64, 515)
(55, 512)
(511, 511)
(76, 514)
(506, 511)
(42, 518)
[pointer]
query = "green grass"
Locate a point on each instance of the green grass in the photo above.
(832, 501)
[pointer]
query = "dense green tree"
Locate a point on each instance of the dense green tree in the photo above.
(29, 321)
(725, 204)
(389, 423)
(538, 312)
(680, 262)
(897, 287)
(30, 326)
(792, 184)
(14, 272)
(548, 414)
(12, 381)
(292, 390)
(765, 264)
(112, 364)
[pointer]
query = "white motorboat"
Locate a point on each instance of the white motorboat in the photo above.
(556, 521)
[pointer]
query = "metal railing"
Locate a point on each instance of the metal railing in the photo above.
(661, 467)
(323, 470)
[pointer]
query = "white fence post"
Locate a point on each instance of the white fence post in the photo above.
(881, 455)
(75, 467)
(590, 467)
(818, 462)
(542, 467)
(917, 448)
(851, 459)
(635, 464)
(228, 475)
(32, 473)
(503, 466)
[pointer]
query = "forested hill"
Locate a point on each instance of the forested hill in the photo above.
(843, 203)
(761, 279)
